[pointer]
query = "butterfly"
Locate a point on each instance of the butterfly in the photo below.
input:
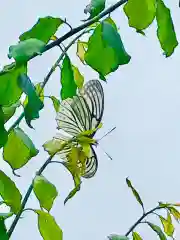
(80, 118)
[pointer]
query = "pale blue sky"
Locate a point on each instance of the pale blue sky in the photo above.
(142, 100)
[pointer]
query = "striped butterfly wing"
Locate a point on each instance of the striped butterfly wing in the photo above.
(93, 95)
(81, 113)
(91, 164)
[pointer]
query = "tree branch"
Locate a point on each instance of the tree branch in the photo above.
(81, 27)
(63, 38)
(46, 79)
(141, 218)
(16, 219)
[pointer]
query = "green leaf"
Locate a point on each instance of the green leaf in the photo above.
(78, 77)
(136, 236)
(34, 104)
(136, 194)
(25, 50)
(45, 192)
(9, 88)
(167, 225)
(117, 237)
(105, 46)
(48, 227)
(77, 184)
(3, 132)
(158, 230)
(56, 103)
(19, 149)
(140, 13)
(9, 111)
(43, 30)
(165, 31)
(174, 212)
(39, 91)
(10, 193)
(94, 8)
(81, 50)
(76, 165)
(55, 145)
(69, 86)
(3, 231)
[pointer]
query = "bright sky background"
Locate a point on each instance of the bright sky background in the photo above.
(142, 99)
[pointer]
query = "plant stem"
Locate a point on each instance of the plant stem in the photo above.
(141, 218)
(16, 219)
(26, 197)
(81, 27)
(46, 79)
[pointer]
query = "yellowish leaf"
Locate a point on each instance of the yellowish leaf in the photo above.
(81, 50)
(78, 77)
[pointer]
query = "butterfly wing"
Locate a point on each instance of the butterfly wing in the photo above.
(91, 164)
(94, 97)
(84, 111)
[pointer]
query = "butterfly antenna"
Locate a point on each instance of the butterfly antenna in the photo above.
(107, 133)
(106, 153)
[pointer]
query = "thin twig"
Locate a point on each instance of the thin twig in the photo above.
(141, 218)
(65, 21)
(46, 79)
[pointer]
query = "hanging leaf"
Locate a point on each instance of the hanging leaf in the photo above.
(77, 184)
(69, 86)
(3, 132)
(3, 231)
(45, 192)
(9, 88)
(174, 212)
(78, 78)
(43, 30)
(10, 193)
(34, 104)
(117, 237)
(76, 165)
(167, 225)
(55, 145)
(81, 50)
(158, 230)
(165, 31)
(19, 149)
(52, 146)
(25, 50)
(136, 194)
(105, 46)
(136, 236)
(39, 91)
(48, 227)
(140, 13)
(56, 103)
(9, 111)
(94, 8)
